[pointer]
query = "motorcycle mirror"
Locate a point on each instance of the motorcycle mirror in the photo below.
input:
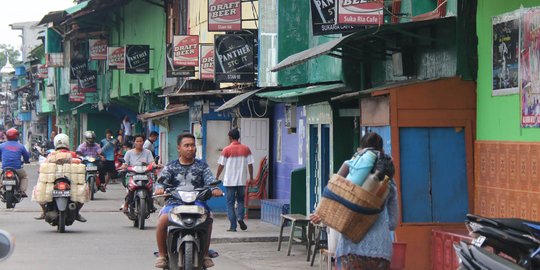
(6, 245)
(215, 183)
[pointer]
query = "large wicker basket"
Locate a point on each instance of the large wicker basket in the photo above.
(349, 208)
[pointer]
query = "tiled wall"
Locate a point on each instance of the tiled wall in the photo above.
(506, 182)
(290, 154)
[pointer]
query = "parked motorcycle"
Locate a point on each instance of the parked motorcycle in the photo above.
(62, 211)
(500, 244)
(91, 174)
(186, 233)
(10, 191)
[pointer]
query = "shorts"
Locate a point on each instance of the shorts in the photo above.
(108, 166)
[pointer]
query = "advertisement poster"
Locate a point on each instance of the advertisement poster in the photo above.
(360, 12)
(137, 60)
(206, 69)
(78, 67)
(115, 57)
(323, 15)
(234, 58)
(88, 81)
(175, 71)
(505, 53)
(97, 49)
(74, 94)
(530, 69)
(186, 51)
(224, 15)
(42, 71)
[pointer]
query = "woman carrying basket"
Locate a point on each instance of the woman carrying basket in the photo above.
(374, 251)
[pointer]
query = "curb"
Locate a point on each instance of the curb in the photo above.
(223, 240)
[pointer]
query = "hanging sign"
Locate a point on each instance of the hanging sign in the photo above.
(137, 59)
(115, 57)
(97, 49)
(74, 94)
(78, 66)
(88, 81)
(224, 15)
(186, 51)
(234, 58)
(360, 12)
(323, 14)
(42, 71)
(175, 71)
(206, 68)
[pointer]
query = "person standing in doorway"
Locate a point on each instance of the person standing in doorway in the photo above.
(149, 143)
(108, 148)
(235, 158)
(126, 126)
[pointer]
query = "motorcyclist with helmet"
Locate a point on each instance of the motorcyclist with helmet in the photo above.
(92, 149)
(61, 144)
(11, 153)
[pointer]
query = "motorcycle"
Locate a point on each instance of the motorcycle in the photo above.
(186, 232)
(9, 193)
(91, 174)
(62, 211)
(500, 244)
(118, 162)
(36, 151)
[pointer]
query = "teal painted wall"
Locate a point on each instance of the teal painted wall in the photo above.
(498, 117)
(143, 24)
(295, 35)
(178, 124)
(99, 122)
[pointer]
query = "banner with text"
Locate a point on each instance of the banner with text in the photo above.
(360, 12)
(42, 71)
(175, 71)
(323, 15)
(115, 57)
(234, 58)
(206, 68)
(224, 15)
(97, 49)
(186, 51)
(529, 67)
(74, 94)
(137, 60)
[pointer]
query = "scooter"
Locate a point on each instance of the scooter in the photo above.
(141, 181)
(61, 212)
(36, 151)
(10, 191)
(91, 174)
(187, 232)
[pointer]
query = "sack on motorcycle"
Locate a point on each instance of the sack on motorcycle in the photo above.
(349, 208)
(59, 157)
(78, 169)
(47, 168)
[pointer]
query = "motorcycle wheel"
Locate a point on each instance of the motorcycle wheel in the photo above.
(10, 199)
(61, 221)
(141, 213)
(188, 256)
(92, 183)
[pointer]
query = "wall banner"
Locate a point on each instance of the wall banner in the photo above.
(174, 71)
(97, 49)
(88, 81)
(224, 15)
(115, 57)
(234, 58)
(323, 14)
(42, 71)
(360, 12)
(529, 64)
(137, 60)
(505, 53)
(206, 68)
(186, 51)
(74, 94)
(78, 67)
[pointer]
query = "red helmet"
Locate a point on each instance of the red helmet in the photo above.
(12, 134)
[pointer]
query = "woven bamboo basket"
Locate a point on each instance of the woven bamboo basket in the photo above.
(352, 224)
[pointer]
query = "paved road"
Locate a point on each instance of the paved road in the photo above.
(108, 240)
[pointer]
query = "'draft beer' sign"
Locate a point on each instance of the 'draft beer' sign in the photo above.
(115, 57)
(97, 49)
(360, 12)
(176, 71)
(206, 68)
(137, 60)
(186, 51)
(74, 94)
(323, 15)
(234, 58)
(224, 15)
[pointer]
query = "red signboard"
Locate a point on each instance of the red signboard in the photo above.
(74, 94)
(42, 71)
(360, 12)
(206, 69)
(97, 49)
(186, 51)
(115, 57)
(224, 15)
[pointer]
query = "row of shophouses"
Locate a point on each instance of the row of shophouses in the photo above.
(422, 79)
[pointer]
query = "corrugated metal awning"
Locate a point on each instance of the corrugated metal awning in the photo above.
(292, 95)
(53, 16)
(163, 113)
(231, 103)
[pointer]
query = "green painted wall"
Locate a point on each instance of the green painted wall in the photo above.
(143, 24)
(178, 124)
(99, 122)
(498, 117)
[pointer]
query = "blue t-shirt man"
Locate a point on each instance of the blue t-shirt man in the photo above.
(11, 153)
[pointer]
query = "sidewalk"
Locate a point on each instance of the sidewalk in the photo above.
(257, 231)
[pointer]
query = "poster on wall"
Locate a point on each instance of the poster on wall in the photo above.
(74, 94)
(360, 12)
(186, 51)
(234, 58)
(224, 15)
(505, 53)
(137, 60)
(115, 57)
(176, 71)
(88, 81)
(530, 69)
(97, 49)
(206, 68)
(323, 15)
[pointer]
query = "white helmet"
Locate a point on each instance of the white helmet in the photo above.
(61, 141)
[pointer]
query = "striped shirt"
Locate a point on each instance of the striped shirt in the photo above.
(235, 159)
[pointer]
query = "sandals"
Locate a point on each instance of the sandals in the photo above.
(207, 262)
(161, 262)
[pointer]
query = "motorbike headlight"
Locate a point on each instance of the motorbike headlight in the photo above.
(176, 218)
(91, 159)
(188, 196)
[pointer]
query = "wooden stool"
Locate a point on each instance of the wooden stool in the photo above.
(320, 240)
(325, 256)
(298, 221)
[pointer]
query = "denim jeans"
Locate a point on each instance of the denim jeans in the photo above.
(235, 194)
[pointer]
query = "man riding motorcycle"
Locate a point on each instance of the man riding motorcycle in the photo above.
(184, 171)
(61, 144)
(90, 148)
(11, 153)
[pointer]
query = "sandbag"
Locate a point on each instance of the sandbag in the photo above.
(47, 168)
(78, 168)
(48, 192)
(78, 179)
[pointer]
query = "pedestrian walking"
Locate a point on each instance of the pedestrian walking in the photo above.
(235, 159)
(126, 126)
(108, 149)
(149, 143)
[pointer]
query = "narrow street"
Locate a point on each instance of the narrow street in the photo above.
(109, 241)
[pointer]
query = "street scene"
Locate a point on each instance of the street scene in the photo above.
(268, 134)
